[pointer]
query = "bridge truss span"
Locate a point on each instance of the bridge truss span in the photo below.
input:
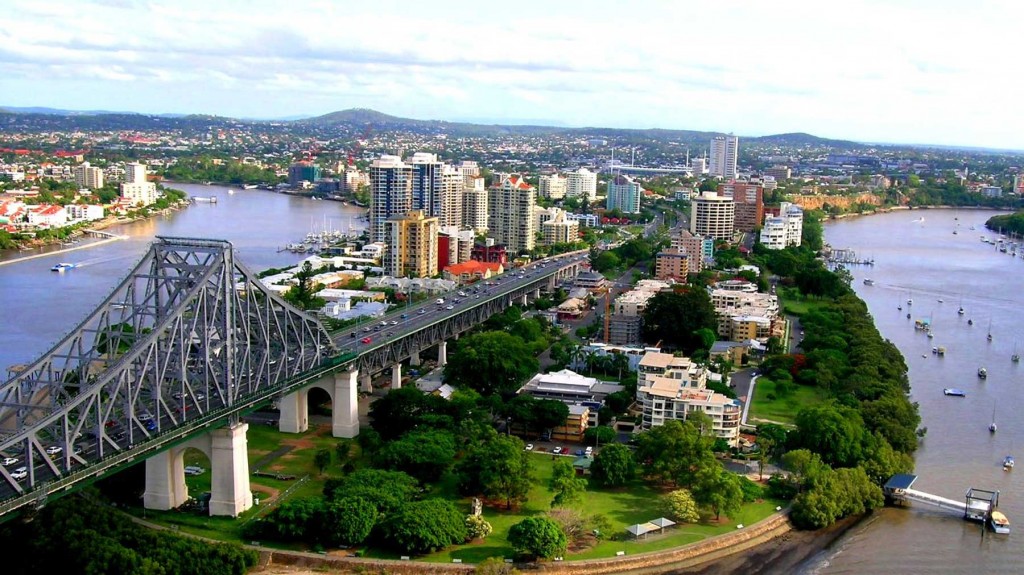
(188, 334)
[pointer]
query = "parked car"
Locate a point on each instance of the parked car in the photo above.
(529, 447)
(556, 450)
(589, 451)
(194, 470)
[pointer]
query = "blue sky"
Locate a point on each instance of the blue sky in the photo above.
(937, 72)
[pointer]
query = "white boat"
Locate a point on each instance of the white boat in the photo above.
(63, 266)
(982, 372)
(869, 282)
(999, 523)
(1008, 462)
(249, 187)
(952, 391)
(941, 350)
(992, 426)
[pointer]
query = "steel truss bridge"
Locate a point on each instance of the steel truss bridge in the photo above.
(190, 340)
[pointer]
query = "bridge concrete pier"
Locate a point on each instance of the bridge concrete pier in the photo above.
(442, 353)
(230, 494)
(524, 301)
(294, 416)
(536, 293)
(396, 376)
(365, 383)
(345, 412)
(414, 359)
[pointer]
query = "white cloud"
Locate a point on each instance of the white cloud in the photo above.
(897, 71)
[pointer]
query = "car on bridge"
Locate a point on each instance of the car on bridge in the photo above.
(10, 460)
(20, 473)
(366, 340)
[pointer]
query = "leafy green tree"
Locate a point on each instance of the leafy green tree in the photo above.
(833, 431)
(303, 294)
(491, 362)
(600, 435)
(537, 537)
(294, 520)
(613, 465)
(495, 566)
(425, 455)
(680, 505)
(343, 450)
(719, 491)
(675, 319)
(348, 521)
(322, 459)
(675, 452)
(565, 484)
(386, 490)
(499, 468)
(401, 410)
(424, 526)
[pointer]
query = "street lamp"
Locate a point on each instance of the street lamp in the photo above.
(508, 426)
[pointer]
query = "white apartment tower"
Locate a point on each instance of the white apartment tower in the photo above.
(510, 208)
(552, 186)
(390, 193)
(136, 189)
(712, 215)
(436, 189)
(474, 206)
(87, 176)
(560, 230)
(724, 152)
(581, 183)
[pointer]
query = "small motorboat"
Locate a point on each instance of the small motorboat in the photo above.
(960, 311)
(1008, 462)
(869, 282)
(982, 372)
(970, 322)
(908, 316)
(62, 267)
(1000, 524)
(954, 392)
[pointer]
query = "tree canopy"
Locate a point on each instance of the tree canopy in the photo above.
(537, 537)
(676, 318)
(491, 362)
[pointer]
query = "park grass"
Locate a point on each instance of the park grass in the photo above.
(795, 303)
(637, 502)
(781, 409)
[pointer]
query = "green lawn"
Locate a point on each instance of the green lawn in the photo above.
(782, 409)
(636, 503)
(795, 303)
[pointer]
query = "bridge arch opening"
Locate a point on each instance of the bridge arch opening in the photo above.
(195, 461)
(319, 401)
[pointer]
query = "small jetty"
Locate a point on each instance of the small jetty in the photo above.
(978, 504)
(847, 257)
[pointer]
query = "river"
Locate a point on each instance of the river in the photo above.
(40, 306)
(918, 257)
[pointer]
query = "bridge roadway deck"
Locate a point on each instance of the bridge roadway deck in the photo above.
(409, 335)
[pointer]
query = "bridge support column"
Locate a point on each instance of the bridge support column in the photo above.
(414, 358)
(536, 293)
(365, 383)
(229, 490)
(396, 376)
(442, 353)
(345, 412)
(165, 481)
(294, 412)
(524, 301)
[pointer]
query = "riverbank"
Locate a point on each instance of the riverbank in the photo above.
(890, 209)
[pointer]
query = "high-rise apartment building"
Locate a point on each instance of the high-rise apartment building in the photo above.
(783, 230)
(510, 213)
(436, 189)
(749, 200)
(135, 173)
(390, 193)
(624, 195)
(303, 172)
(712, 215)
(470, 171)
(581, 184)
(412, 245)
(87, 176)
(552, 186)
(698, 249)
(724, 152)
(560, 230)
(474, 206)
(780, 172)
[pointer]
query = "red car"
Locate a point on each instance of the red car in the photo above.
(366, 340)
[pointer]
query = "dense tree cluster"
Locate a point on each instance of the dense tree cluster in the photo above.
(1008, 223)
(75, 535)
(677, 319)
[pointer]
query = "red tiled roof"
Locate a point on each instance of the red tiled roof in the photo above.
(472, 267)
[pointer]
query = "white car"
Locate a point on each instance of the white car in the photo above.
(54, 449)
(556, 450)
(194, 470)
(20, 473)
(449, 307)
(145, 417)
(10, 460)
(462, 294)
(589, 451)
(529, 447)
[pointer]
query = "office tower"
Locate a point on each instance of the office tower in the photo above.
(303, 172)
(552, 186)
(712, 215)
(474, 206)
(390, 193)
(749, 200)
(412, 245)
(581, 183)
(624, 195)
(510, 213)
(724, 151)
(87, 176)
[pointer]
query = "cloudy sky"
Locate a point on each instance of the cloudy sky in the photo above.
(929, 71)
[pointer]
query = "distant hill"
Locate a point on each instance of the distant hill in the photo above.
(802, 139)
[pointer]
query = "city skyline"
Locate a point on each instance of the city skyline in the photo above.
(914, 72)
